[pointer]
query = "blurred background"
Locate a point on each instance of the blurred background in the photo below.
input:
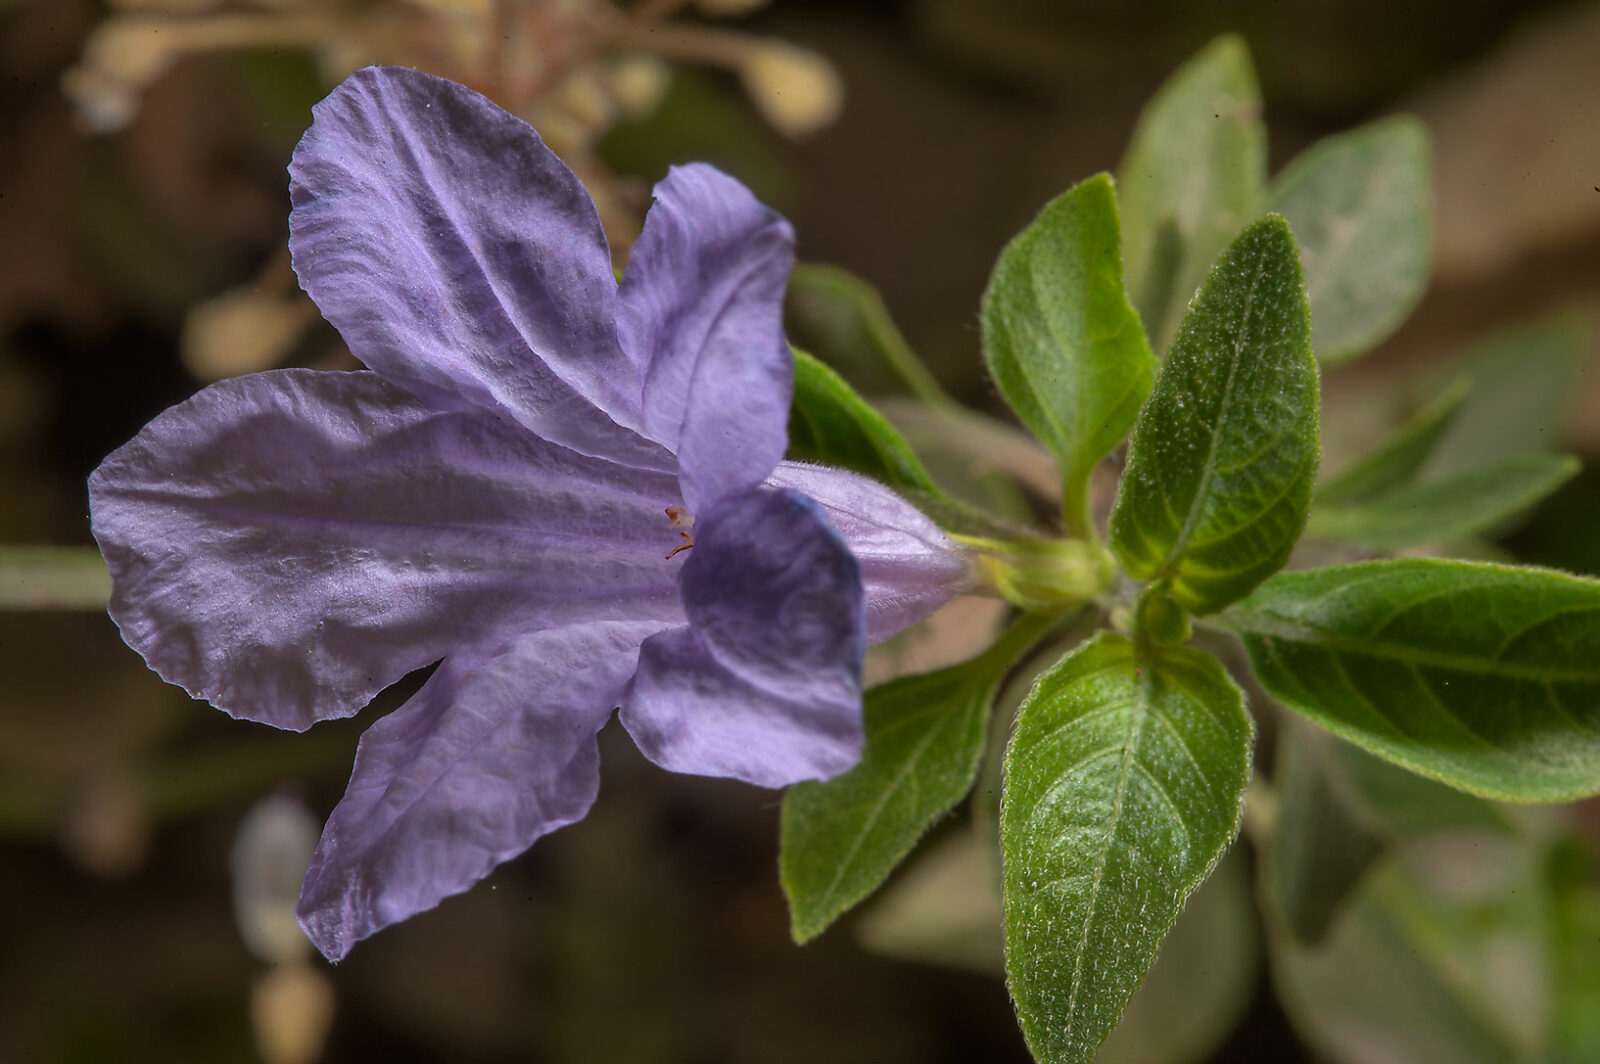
(143, 213)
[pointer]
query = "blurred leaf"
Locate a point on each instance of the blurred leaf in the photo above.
(1446, 509)
(1061, 340)
(1320, 846)
(1222, 461)
(843, 318)
(1574, 877)
(1203, 980)
(1523, 382)
(1439, 960)
(1395, 461)
(1192, 177)
(829, 423)
(53, 578)
(943, 909)
(841, 838)
(1359, 205)
(1124, 783)
(1486, 677)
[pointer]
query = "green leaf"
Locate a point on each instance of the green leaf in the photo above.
(1193, 175)
(1396, 461)
(1359, 205)
(840, 316)
(1574, 878)
(829, 423)
(1203, 980)
(1447, 509)
(53, 578)
(1438, 960)
(1320, 845)
(1523, 383)
(1222, 461)
(1061, 339)
(1485, 677)
(1124, 784)
(841, 838)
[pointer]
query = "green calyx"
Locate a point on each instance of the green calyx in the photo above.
(1041, 573)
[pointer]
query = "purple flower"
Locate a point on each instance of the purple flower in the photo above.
(567, 489)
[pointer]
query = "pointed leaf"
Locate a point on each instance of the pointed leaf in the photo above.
(1222, 461)
(1485, 677)
(1359, 204)
(840, 316)
(1449, 508)
(1395, 462)
(1192, 177)
(1124, 784)
(1061, 339)
(1523, 383)
(841, 838)
(830, 424)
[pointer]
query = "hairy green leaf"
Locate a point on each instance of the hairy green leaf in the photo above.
(1061, 339)
(1485, 677)
(840, 316)
(841, 838)
(831, 424)
(1193, 175)
(1124, 784)
(1359, 206)
(1446, 509)
(1395, 462)
(1222, 461)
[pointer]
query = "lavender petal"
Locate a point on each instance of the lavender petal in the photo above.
(494, 752)
(764, 683)
(701, 305)
(287, 544)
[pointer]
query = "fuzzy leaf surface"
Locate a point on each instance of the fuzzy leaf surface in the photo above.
(1063, 343)
(829, 423)
(1221, 465)
(1124, 784)
(1485, 677)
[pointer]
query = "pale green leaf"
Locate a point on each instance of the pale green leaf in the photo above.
(1359, 205)
(841, 838)
(1447, 509)
(1124, 783)
(53, 578)
(1061, 340)
(843, 318)
(1485, 677)
(1395, 462)
(1221, 465)
(1193, 175)
(829, 423)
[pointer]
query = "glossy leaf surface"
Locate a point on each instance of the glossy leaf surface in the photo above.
(1485, 677)
(830, 424)
(1061, 339)
(1359, 205)
(1124, 784)
(1221, 465)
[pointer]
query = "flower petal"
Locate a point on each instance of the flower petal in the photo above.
(287, 544)
(701, 304)
(909, 568)
(764, 685)
(491, 754)
(462, 260)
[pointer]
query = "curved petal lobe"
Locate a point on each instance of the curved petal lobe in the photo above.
(287, 544)
(491, 754)
(764, 684)
(909, 568)
(462, 260)
(701, 308)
